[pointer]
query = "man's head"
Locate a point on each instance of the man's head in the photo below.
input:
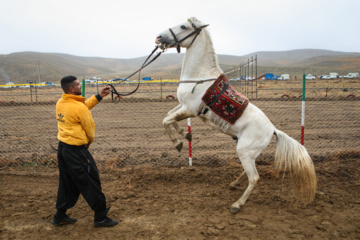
(71, 85)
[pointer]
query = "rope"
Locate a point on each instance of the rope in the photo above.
(145, 64)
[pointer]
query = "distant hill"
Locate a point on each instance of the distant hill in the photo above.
(22, 66)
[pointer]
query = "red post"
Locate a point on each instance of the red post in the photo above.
(190, 147)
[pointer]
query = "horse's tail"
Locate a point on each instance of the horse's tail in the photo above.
(291, 156)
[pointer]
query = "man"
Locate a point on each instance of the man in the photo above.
(77, 169)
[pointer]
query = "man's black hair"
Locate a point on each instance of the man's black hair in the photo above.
(67, 82)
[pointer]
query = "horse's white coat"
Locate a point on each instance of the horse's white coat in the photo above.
(253, 130)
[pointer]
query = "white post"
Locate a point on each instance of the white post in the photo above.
(190, 147)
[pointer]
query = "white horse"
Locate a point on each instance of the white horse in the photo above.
(253, 131)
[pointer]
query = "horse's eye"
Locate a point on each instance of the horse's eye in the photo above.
(183, 27)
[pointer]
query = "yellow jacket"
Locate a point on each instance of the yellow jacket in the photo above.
(75, 123)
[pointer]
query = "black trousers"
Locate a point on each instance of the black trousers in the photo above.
(78, 174)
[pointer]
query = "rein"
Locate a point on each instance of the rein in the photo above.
(145, 64)
(197, 82)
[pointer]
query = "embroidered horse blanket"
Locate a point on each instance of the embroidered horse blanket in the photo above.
(226, 102)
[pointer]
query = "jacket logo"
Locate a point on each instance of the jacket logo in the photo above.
(60, 118)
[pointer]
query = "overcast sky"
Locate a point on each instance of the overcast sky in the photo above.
(127, 28)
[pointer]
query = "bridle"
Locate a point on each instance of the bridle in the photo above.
(196, 32)
(177, 42)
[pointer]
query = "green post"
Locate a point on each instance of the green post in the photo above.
(83, 87)
(303, 90)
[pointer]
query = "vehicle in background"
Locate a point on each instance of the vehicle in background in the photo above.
(48, 84)
(284, 77)
(270, 76)
(27, 85)
(147, 78)
(118, 79)
(242, 78)
(325, 77)
(9, 85)
(352, 75)
(310, 77)
(334, 75)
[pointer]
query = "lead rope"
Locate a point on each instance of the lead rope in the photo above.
(145, 64)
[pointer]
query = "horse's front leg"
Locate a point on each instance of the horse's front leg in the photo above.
(178, 129)
(182, 132)
(172, 118)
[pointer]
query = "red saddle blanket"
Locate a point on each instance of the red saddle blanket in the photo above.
(224, 100)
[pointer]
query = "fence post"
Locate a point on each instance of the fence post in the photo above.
(190, 147)
(83, 87)
(303, 110)
(161, 83)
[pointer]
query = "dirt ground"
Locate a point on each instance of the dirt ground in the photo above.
(186, 203)
(161, 198)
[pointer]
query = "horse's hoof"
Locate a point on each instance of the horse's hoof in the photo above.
(188, 136)
(233, 187)
(179, 146)
(234, 210)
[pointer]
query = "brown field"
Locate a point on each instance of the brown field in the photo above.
(315, 89)
(156, 196)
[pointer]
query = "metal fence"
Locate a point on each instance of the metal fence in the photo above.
(130, 132)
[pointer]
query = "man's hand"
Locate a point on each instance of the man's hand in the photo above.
(105, 91)
(87, 146)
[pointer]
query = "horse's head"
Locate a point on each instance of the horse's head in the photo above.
(182, 35)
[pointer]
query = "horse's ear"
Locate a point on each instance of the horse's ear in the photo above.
(203, 25)
(197, 23)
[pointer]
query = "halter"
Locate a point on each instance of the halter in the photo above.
(177, 42)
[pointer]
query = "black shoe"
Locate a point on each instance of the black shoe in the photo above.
(64, 220)
(107, 222)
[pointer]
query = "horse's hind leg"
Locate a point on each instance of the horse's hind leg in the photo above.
(239, 180)
(247, 158)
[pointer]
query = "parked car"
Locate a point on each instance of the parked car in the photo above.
(309, 77)
(325, 77)
(9, 85)
(284, 76)
(49, 84)
(352, 75)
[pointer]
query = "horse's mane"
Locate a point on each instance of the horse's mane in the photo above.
(212, 52)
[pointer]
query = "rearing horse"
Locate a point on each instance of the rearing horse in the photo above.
(253, 131)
